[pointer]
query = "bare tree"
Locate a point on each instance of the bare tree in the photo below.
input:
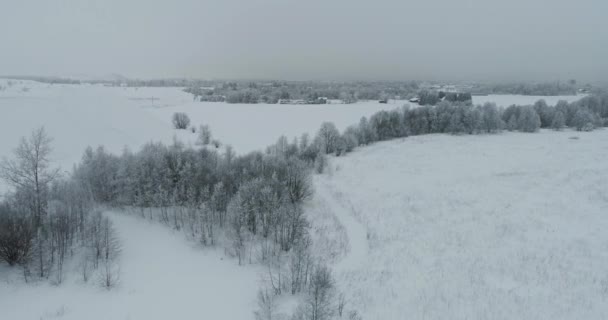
(204, 136)
(341, 304)
(266, 304)
(328, 136)
(110, 275)
(298, 181)
(319, 303)
(30, 169)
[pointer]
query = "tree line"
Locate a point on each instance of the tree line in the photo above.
(586, 114)
(536, 89)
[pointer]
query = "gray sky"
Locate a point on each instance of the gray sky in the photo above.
(308, 39)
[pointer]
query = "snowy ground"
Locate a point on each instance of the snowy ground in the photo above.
(162, 276)
(508, 226)
(505, 226)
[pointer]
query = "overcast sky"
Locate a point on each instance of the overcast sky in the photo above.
(308, 39)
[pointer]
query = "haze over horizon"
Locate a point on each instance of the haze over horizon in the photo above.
(516, 40)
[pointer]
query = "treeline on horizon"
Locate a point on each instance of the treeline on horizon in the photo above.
(350, 92)
(270, 91)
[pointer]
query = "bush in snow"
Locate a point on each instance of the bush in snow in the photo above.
(180, 120)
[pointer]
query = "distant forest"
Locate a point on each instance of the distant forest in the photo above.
(319, 92)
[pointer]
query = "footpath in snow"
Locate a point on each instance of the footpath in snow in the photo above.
(162, 276)
(356, 232)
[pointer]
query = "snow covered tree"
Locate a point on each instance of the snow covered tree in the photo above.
(319, 303)
(512, 123)
(300, 264)
(297, 181)
(366, 133)
(544, 112)
(491, 118)
(456, 126)
(30, 170)
(204, 136)
(559, 121)
(583, 120)
(327, 137)
(350, 139)
(528, 121)
(266, 305)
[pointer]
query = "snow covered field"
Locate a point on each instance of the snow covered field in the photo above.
(508, 226)
(504, 226)
(162, 276)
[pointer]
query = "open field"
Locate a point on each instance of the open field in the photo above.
(507, 226)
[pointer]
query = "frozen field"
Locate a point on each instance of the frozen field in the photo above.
(509, 226)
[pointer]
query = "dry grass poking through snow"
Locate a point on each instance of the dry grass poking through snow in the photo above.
(509, 226)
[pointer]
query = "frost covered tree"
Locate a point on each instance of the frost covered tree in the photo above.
(300, 264)
(266, 305)
(350, 139)
(528, 120)
(297, 181)
(456, 125)
(319, 303)
(180, 120)
(583, 120)
(30, 171)
(512, 123)
(544, 112)
(491, 118)
(558, 121)
(204, 136)
(365, 133)
(328, 137)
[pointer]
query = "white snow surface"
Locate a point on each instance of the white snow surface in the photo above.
(507, 226)
(162, 276)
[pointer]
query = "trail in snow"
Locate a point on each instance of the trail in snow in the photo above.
(162, 276)
(356, 232)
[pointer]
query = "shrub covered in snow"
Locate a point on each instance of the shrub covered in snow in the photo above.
(180, 120)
